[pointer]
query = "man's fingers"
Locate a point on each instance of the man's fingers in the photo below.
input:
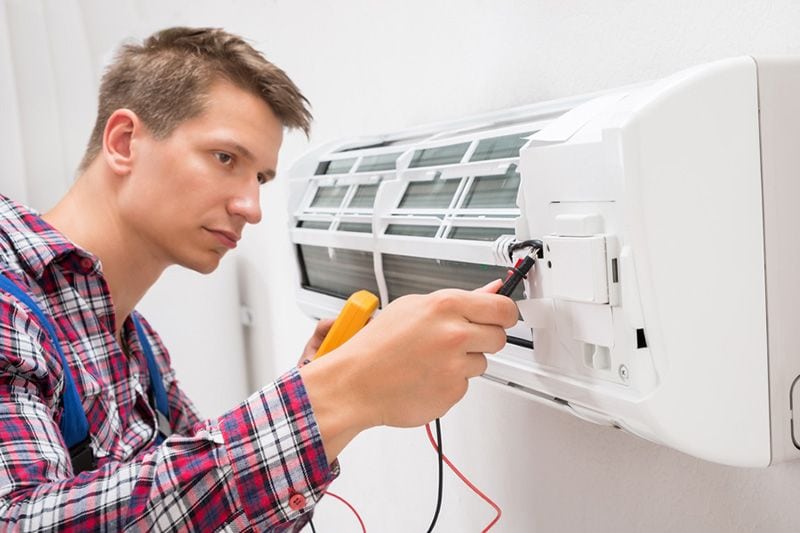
(476, 364)
(485, 338)
(492, 287)
(323, 327)
(484, 308)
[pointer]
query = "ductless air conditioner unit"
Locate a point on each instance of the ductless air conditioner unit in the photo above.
(663, 302)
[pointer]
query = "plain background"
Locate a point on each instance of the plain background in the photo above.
(369, 67)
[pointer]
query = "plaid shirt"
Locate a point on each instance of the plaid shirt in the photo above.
(259, 467)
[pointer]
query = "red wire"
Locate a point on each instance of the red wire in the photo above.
(363, 527)
(466, 481)
(455, 470)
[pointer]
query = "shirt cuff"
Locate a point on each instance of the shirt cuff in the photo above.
(276, 453)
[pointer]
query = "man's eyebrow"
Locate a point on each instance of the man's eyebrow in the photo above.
(247, 154)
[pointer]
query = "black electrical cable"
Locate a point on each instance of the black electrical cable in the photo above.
(441, 475)
(531, 243)
(311, 523)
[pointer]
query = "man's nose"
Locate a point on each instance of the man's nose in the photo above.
(246, 204)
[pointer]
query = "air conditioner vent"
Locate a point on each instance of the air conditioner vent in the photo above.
(337, 273)
(419, 275)
(437, 193)
(364, 196)
(478, 234)
(314, 224)
(412, 230)
(500, 147)
(493, 191)
(375, 163)
(336, 166)
(329, 196)
(440, 155)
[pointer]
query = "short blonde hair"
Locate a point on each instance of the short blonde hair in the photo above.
(165, 81)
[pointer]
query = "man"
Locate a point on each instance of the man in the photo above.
(189, 125)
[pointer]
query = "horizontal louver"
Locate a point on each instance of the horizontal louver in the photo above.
(478, 234)
(375, 163)
(493, 191)
(364, 196)
(437, 193)
(441, 155)
(412, 230)
(313, 224)
(337, 166)
(329, 196)
(500, 147)
(356, 227)
(417, 275)
(346, 272)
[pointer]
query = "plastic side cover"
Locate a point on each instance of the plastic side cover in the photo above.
(591, 324)
(568, 124)
(577, 267)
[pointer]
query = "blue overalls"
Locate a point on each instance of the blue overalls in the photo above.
(74, 425)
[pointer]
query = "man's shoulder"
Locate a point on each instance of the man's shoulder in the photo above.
(12, 230)
(22, 333)
(27, 242)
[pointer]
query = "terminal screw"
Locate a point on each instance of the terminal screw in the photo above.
(623, 372)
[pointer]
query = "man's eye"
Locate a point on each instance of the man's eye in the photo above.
(223, 158)
(262, 179)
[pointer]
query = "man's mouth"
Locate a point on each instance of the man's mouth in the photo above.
(226, 238)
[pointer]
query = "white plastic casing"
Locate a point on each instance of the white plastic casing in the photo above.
(665, 301)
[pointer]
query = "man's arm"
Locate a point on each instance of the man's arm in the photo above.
(245, 469)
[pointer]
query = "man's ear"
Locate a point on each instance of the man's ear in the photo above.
(121, 127)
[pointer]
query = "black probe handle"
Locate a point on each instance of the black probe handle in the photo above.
(510, 283)
(516, 275)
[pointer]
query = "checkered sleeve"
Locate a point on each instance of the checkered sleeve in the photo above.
(276, 452)
(260, 467)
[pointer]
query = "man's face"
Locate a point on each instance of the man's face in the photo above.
(189, 196)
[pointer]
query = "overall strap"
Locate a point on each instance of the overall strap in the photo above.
(74, 426)
(156, 383)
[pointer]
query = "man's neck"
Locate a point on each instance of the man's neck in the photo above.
(88, 216)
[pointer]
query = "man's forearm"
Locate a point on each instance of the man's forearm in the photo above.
(340, 413)
(245, 469)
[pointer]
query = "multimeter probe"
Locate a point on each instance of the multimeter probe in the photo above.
(353, 316)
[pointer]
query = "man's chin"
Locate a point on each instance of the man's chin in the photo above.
(206, 269)
(204, 265)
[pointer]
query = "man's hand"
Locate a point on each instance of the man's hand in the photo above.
(409, 365)
(313, 344)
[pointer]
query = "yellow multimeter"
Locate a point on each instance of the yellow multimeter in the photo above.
(355, 313)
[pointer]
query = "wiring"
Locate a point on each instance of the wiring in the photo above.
(441, 472)
(515, 276)
(467, 482)
(518, 245)
(519, 272)
(337, 497)
(358, 517)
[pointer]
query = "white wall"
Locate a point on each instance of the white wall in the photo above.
(369, 67)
